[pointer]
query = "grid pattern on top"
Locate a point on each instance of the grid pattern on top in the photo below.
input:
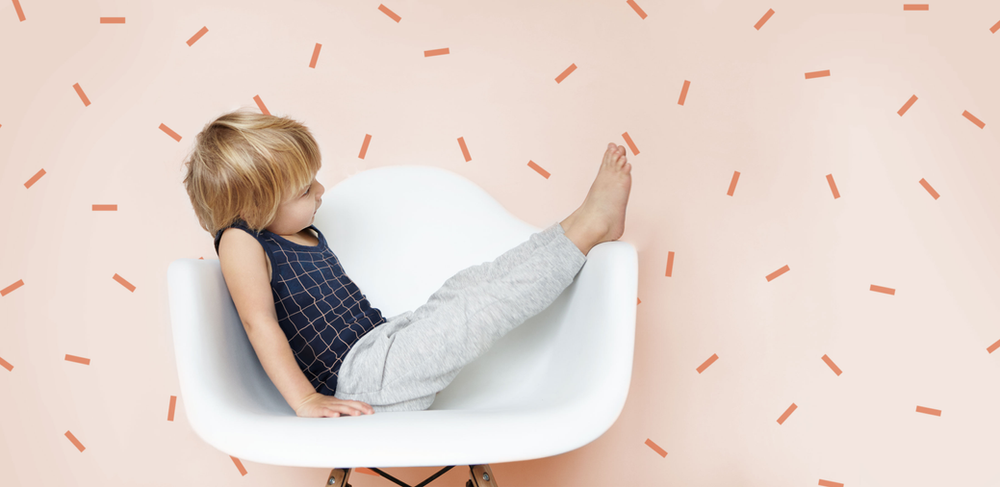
(320, 309)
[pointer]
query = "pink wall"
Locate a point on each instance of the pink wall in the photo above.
(750, 107)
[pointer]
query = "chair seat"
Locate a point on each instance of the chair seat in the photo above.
(553, 384)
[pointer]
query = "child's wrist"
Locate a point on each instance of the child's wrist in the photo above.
(304, 399)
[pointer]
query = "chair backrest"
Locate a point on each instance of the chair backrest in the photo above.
(399, 233)
(216, 363)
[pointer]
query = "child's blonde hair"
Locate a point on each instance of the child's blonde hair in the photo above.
(244, 164)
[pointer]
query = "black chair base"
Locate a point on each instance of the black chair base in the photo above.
(480, 476)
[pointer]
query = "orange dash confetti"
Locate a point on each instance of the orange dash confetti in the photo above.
(9, 289)
(670, 263)
(907, 105)
(5, 364)
(79, 360)
(366, 471)
(437, 52)
(631, 145)
(787, 413)
(830, 483)
(992, 348)
(312, 62)
(38, 175)
(818, 74)
(916, 6)
(760, 23)
(112, 20)
(993, 29)
(536, 167)
(20, 13)
(76, 442)
(260, 104)
(83, 96)
(173, 404)
(465, 150)
(879, 289)
(777, 273)
(638, 10)
(833, 366)
(239, 465)
(701, 368)
(972, 118)
(392, 15)
(104, 207)
(638, 301)
(833, 186)
(197, 35)
(932, 412)
(170, 132)
(656, 448)
(565, 73)
(732, 184)
(684, 92)
(364, 146)
(929, 189)
(121, 280)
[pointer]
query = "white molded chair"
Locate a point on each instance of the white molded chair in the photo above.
(552, 385)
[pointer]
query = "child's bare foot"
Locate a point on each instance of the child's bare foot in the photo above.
(601, 217)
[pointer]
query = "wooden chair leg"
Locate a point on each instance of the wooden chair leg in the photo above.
(482, 476)
(339, 477)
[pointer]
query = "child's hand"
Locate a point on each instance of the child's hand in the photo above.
(317, 405)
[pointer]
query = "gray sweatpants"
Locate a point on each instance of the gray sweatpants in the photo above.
(402, 364)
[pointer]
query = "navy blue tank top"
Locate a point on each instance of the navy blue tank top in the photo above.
(320, 309)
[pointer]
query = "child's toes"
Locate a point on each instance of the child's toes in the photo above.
(609, 156)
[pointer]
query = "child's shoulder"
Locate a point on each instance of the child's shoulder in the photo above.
(240, 247)
(237, 241)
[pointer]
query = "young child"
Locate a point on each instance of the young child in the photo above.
(252, 181)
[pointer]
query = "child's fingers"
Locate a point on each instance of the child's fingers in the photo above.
(345, 409)
(365, 408)
(360, 406)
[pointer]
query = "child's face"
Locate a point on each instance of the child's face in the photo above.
(298, 210)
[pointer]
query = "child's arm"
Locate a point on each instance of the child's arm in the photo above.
(245, 270)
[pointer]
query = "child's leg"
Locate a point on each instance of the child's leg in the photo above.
(402, 364)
